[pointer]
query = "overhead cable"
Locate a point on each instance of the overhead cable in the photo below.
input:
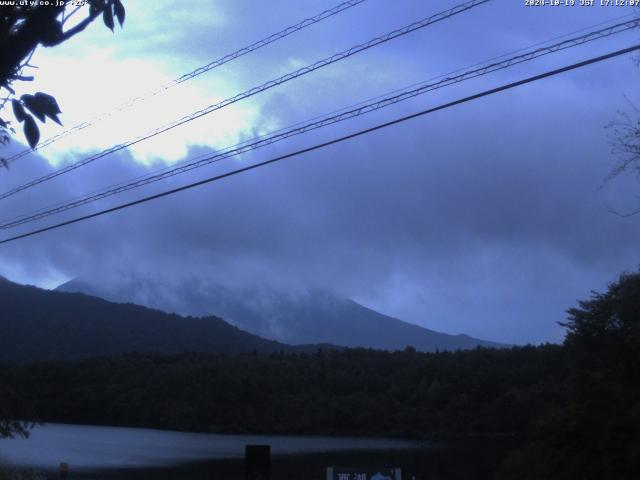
(194, 73)
(328, 143)
(322, 122)
(254, 91)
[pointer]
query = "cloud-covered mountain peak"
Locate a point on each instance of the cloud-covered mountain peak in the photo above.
(297, 316)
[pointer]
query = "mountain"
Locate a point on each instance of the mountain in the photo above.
(302, 317)
(43, 325)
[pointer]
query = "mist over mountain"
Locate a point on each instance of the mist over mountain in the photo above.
(293, 316)
(45, 325)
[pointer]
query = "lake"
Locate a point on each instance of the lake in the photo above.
(91, 447)
(118, 453)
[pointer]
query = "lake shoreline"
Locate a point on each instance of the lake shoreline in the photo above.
(440, 437)
(222, 456)
(439, 462)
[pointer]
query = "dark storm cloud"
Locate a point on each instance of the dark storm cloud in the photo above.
(484, 219)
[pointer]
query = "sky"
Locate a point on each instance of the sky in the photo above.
(490, 218)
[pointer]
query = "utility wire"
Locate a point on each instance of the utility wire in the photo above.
(253, 91)
(342, 109)
(330, 142)
(198, 71)
(327, 120)
(103, 192)
(361, 102)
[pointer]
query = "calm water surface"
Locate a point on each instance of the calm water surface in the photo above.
(88, 447)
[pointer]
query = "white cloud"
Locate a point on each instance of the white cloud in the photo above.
(100, 76)
(101, 82)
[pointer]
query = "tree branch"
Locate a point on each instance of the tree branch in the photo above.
(77, 29)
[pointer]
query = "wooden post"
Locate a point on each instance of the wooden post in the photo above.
(329, 473)
(257, 462)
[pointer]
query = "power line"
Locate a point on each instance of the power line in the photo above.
(198, 71)
(313, 125)
(255, 90)
(330, 142)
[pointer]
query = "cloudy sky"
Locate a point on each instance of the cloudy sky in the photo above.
(490, 218)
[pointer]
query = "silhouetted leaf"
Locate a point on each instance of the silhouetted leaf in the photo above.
(118, 9)
(6, 125)
(50, 33)
(31, 131)
(94, 7)
(34, 105)
(107, 16)
(48, 106)
(49, 101)
(18, 110)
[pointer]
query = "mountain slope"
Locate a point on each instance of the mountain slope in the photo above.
(295, 318)
(41, 325)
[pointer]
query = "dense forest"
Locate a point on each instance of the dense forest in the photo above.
(574, 407)
(364, 392)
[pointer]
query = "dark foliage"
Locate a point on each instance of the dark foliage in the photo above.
(363, 392)
(13, 408)
(595, 433)
(22, 29)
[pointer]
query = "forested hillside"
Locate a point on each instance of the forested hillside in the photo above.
(41, 325)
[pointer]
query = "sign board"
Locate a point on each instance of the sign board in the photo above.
(340, 473)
